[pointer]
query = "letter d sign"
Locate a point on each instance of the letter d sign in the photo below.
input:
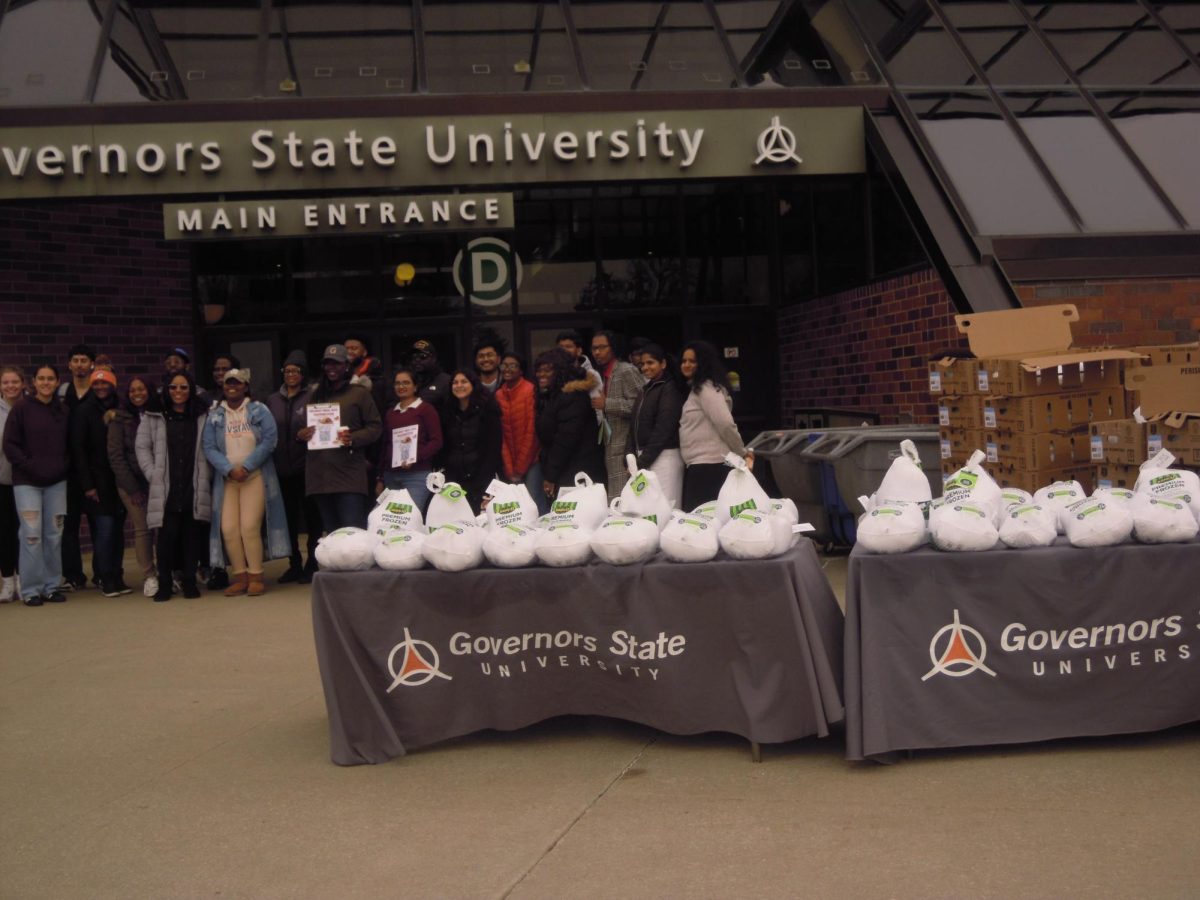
(491, 268)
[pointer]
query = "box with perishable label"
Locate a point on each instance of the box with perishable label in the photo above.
(962, 413)
(1121, 442)
(1053, 450)
(1033, 479)
(1183, 441)
(951, 376)
(1110, 475)
(958, 444)
(1052, 412)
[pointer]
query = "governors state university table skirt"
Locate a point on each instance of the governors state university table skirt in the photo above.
(411, 658)
(1008, 646)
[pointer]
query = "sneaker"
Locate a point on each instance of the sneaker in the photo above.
(109, 588)
(191, 591)
(55, 597)
(35, 600)
(121, 586)
(218, 581)
(150, 586)
(8, 589)
(74, 583)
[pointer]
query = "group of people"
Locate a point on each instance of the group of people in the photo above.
(215, 482)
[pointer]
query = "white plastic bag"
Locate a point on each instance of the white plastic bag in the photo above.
(1028, 525)
(400, 550)
(449, 504)
(892, 526)
(564, 544)
(1162, 520)
(1010, 496)
(643, 495)
(1120, 494)
(786, 507)
(624, 540)
(690, 537)
(707, 509)
(1097, 522)
(963, 525)
(454, 547)
(904, 480)
(347, 550)
(585, 504)
(511, 546)
(748, 535)
(972, 484)
(741, 491)
(1057, 497)
(394, 511)
(510, 504)
(1157, 479)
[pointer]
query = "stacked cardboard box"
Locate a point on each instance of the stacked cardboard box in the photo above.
(1027, 399)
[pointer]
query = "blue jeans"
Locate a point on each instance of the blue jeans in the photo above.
(412, 481)
(533, 481)
(343, 510)
(108, 545)
(41, 511)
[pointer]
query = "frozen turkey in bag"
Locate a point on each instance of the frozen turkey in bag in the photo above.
(623, 540)
(509, 504)
(454, 547)
(585, 504)
(1162, 520)
(690, 537)
(892, 526)
(511, 546)
(748, 535)
(1010, 496)
(347, 550)
(1157, 479)
(1028, 525)
(400, 550)
(904, 479)
(1097, 522)
(1057, 497)
(962, 525)
(643, 495)
(973, 484)
(741, 490)
(564, 544)
(448, 505)
(394, 511)
(785, 507)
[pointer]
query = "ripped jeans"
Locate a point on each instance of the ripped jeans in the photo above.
(40, 512)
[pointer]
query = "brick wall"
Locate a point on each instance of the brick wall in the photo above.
(867, 349)
(1125, 313)
(96, 273)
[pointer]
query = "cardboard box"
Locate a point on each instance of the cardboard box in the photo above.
(1121, 442)
(1166, 386)
(1022, 352)
(1114, 476)
(962, 413)
(956, 444)
(1052, 412)
(1183, 441)
(1033, 452)
(952, 377)
(1033, 479)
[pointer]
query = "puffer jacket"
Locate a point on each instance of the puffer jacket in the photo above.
(290, 417)
(471, 445)
(122, 452)
(656, 417)
(89, 455)
(567, 431)
(152, 460)
(518, 414)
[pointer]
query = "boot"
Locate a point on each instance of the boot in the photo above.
(309, 568)
(237, 584)
(255, 587)
(294, 571)
(191, 590)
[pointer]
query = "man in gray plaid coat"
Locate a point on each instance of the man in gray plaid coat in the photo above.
(622, 384)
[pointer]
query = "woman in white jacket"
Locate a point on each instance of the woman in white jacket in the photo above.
(707, 431)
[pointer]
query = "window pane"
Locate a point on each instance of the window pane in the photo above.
(1184, 20)
(725, 233)
(431, 293)
(557, 248)
(998, 182)
(929, 57)
(1000, 42)
(797, 267)
(1164, 131)
(1110, 43)
(46, 51)
(1090, 166)
(638, 231)
(335, 278)
(241, 282)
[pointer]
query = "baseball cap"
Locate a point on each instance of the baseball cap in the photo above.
(336, 352)
(180, 352)
(103, 375)
(242, 375)
(424, 346)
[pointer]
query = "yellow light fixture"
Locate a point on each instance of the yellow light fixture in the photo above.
(405, 273)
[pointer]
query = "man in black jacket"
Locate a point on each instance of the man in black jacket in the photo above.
(81, 362)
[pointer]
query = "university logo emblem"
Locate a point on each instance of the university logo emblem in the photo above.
(418, 665)
(957, 650)
(777, 144)
(491, 267)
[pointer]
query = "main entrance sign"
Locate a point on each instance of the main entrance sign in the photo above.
(412, 152)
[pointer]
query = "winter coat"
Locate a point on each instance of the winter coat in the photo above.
(89, 455)
(655, 421)
(35, 442)
(434, 389)
(290, 417)
(566, 429)
(153, 457)
(6, 473)
(429, 434)
(518, 415)
(343, 470)
(262, 424)
(122, 452)
(369, 374)
(622, 392)
(471, 441)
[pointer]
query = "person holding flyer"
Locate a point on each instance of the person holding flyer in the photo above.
(412, 437)
(343, 423)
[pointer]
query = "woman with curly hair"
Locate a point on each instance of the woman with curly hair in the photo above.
(706, 428)
(565, 425)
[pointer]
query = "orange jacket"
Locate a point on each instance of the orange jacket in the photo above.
(517, 413)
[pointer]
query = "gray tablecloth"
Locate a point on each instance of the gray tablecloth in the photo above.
(410, 658)
(1008, 646)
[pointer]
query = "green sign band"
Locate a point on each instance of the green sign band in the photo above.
(337, 215)
(405, 153)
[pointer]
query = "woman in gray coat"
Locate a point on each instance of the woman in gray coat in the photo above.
(170, 454)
